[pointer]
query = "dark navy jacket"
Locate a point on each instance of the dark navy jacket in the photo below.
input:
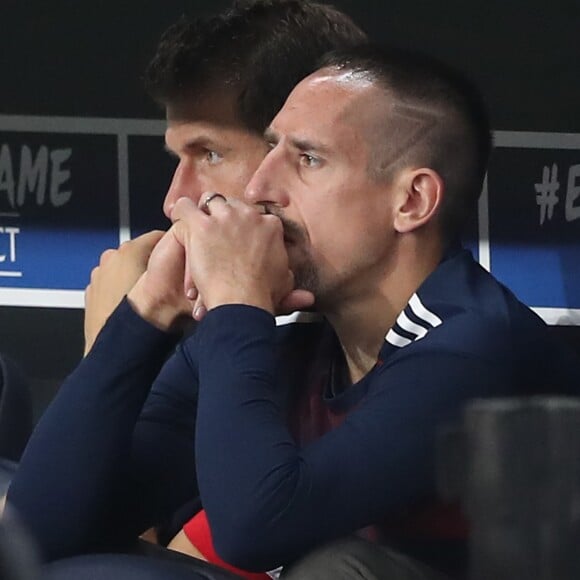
(262, 421)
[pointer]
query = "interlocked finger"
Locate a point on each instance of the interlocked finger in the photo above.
(208, 199)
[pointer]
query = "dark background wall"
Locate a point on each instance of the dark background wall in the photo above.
(73, 58)
(84, 59)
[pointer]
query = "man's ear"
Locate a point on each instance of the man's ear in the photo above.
(421, 195)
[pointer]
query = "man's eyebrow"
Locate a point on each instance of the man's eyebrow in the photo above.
(308, 145)
(201, 142)
(270, 135)
(298, 143)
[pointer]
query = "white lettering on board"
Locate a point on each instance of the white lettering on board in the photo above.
(11, 233)
(7, 175)
(573, 194)
(547, 190)
(35, 174)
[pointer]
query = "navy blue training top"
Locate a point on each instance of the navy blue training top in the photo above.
(113, 455)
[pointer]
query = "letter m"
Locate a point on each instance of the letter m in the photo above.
(33, 174)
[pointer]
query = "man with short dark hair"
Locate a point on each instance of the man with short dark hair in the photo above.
(126, 456)
(309, 434)
(220, 80)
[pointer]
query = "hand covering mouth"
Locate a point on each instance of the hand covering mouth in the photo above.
(293, 233)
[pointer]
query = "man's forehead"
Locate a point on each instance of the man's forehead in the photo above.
(328, 97)
(329, 92)
(334, 81)
(214, 107)
(208, 119)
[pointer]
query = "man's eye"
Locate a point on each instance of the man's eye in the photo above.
(309, 160)
(212, 157)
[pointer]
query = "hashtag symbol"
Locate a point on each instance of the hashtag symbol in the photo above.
(546, 191)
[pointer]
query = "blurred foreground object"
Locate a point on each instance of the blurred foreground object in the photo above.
(515, 466)
(18, 560)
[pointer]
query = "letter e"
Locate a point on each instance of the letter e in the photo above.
(572, 194)
(59, 177)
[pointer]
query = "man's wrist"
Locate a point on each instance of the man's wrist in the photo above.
(153, 310)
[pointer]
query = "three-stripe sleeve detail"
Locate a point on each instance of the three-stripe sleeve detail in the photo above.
(407, 329)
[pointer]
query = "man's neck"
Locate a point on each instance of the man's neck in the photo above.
(362, 322)
(361, 330)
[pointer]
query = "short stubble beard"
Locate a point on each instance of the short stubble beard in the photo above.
(306, 274)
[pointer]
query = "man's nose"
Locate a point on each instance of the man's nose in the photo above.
(185, 183)
(267, 186)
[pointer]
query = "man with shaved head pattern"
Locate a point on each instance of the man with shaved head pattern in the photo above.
(314, 442)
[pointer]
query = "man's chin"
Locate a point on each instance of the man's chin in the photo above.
(305, 278)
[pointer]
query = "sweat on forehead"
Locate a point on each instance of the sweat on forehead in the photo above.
(344, 76)
(346, 90)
